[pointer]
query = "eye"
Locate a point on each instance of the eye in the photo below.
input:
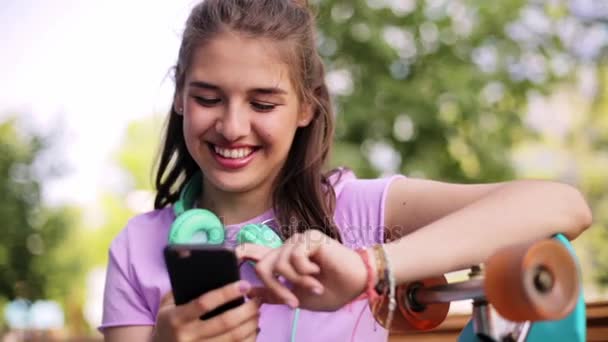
(206, 102)
(262, 107)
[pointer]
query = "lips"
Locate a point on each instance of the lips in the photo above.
(233, 153)
(234, 157)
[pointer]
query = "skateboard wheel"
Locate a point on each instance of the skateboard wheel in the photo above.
(409, 316)
(532, 282)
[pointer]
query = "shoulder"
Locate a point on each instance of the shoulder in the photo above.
(143, 231)
(348, 187)
(360, 206)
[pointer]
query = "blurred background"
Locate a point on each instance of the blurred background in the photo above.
(455, 90)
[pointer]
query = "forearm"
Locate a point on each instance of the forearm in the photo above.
(517, 212)
(128, 333)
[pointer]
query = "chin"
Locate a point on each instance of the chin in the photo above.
(231, 182)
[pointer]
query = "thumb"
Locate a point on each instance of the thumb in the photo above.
(167, 300)
(251, 252)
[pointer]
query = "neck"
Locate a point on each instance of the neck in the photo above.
(236, 207)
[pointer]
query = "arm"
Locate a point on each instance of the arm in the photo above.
(435, 228)
(470, 222)
(128, 334)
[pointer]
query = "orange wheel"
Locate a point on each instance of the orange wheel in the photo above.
(407, 318)
(532, 282)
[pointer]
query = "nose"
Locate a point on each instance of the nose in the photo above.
(233, 124)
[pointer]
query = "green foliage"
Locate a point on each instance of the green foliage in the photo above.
(441, 88)
(136, 159)
(138, 152)
(31, 249)
(418, 90)
(590, 146)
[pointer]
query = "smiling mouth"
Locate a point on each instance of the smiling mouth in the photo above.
(233, 153)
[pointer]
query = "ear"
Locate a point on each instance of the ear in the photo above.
(178, 103)
(306, 114)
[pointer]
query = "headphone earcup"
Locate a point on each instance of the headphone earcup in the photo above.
(197, 226)
(259, 234)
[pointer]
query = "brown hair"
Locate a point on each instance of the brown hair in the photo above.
(302, 198)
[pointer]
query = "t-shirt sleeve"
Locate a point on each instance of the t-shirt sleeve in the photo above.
(123, 303)
(360, 210)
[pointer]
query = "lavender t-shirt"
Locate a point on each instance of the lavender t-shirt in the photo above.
(137, 277)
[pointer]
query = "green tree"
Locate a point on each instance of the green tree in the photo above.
(441, 89)
(589, 145)
(438, 87)
(32, 250)
(135, 159)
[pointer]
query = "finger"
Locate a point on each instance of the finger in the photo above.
(282, 264)
(303, 266)
(301, 261)
(285, 267)
(167, 300)
(239, 333)
(253, 336)
(251, 252)
(226, 321)
(264, 296)
(211, 300)
(265, 271)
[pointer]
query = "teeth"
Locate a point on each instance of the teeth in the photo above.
(233, 153)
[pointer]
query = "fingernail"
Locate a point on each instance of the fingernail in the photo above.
(292, 303)
(317, 290)
(244, 287)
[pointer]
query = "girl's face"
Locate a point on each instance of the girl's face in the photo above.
(240, 112)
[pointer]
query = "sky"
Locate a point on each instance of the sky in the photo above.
(88, 68)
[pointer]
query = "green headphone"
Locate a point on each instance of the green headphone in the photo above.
(194, 225)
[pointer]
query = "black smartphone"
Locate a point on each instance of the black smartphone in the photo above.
(198, 269)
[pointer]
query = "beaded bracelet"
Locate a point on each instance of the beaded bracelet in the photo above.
(382, 271)
(383, 266)
(377, 291)
(392, 304)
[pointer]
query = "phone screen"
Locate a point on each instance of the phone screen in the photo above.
(198, 269)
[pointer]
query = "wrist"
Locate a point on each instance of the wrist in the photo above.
(371, 279)
(367, 273)
(153, 336)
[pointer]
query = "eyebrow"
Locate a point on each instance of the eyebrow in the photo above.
(264, 90)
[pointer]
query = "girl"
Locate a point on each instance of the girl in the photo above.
(252, 121)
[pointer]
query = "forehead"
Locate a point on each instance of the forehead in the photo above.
(235, 62)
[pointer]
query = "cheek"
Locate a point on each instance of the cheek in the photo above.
(267, 135)
(195, 127)
(190, 134)
(279, 127)
(196, 123)
(275, 132)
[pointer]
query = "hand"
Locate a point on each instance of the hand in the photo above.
(182, 323)
(325, 274)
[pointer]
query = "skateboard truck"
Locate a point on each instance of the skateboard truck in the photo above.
(514, 288)
(488, 325)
